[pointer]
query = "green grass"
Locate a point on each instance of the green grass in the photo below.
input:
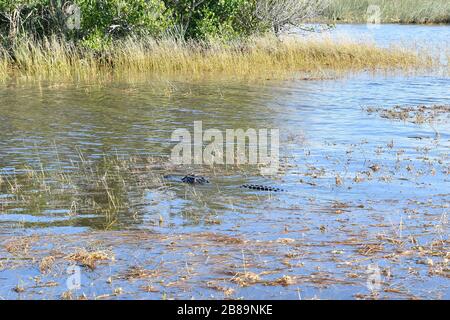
(392, 11)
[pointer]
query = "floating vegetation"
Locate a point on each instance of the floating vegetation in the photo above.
(414, 114)
(184, 276)
(89, 259)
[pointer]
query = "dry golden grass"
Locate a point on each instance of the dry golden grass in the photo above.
(283, 281)
(245, 279)
(46, 264)
(4, 67)
(19, 246)
(88, 259)
(257, 57)
(138, 272)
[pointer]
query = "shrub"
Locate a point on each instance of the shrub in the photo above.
(213, 18)
(96, 22)
(97, 18)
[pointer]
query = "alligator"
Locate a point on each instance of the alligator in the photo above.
(194, 179)
(261, 188)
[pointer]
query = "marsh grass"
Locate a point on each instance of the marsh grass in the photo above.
(104, 184)
(4, 66)
(257, 57)
(392, 11)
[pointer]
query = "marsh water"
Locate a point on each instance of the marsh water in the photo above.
(366, 196)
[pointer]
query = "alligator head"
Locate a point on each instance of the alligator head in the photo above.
(194, 179)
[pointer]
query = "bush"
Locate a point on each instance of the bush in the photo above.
(213, 18)
(97, 18)
(32, 16)
(96, 22)
(104, 20)
(119, 17)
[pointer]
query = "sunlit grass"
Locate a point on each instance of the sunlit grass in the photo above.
(392, 11)
(255, 57)
(4, 65)
(260, 55)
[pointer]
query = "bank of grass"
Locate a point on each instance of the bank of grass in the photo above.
(256, 57)
(392, 11)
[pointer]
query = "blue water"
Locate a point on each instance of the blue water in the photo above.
(328, 141)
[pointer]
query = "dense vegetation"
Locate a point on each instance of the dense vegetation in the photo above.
(49, 37)
(97, 21)
(94, 23)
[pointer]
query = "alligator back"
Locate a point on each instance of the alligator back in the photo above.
(261, 188)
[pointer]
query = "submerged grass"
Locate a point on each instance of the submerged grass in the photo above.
(392, 11)
(257, 57)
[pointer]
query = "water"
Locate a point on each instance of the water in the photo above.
(395, 34)
(337, 222)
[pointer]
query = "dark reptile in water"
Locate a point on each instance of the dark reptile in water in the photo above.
(194, 179)
(261, 188)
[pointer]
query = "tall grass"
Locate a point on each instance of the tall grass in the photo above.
(255, 57)
(392, 11)
(3, 65)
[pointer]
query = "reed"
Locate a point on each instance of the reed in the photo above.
(4, 67)
(259, 56)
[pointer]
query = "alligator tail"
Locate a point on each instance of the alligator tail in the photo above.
(261, 188)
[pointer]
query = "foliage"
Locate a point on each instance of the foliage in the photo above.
(214, 18)
(91, 21)
(97, 21)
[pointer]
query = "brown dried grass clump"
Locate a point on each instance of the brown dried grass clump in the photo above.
(19, 246)
(246, 279)
(89, 259)
(371, 249)
(46, 264)
(137, 272)
(413, 114)
(283, 281)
